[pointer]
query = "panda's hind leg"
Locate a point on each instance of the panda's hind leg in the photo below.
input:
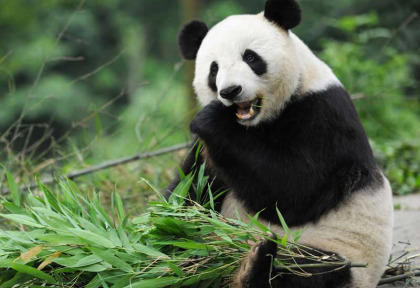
(258, 271)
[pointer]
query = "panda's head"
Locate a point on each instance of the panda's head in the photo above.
(246, 60)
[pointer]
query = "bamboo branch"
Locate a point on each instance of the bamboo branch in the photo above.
(321, 265)
(398, 278)
(105, 165)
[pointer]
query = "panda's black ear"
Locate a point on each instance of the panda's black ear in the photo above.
(190, 38)
(285, 13)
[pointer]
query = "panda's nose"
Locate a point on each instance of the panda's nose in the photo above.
(231, 92)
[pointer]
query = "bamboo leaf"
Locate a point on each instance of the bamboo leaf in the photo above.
(94, 268)
(33, 272)
(92, 238)
(111, 259)
(254, 221)
(149, 251)
(120, 208)
(5, 263)
(22, 219)
(187, 245)
(283, 223)
(284, 240)
(94, 283)
(141, 220)
(49, 260)
(77, 262)
(154, 283)
(178, 271)
(14, 189)
(28, 255)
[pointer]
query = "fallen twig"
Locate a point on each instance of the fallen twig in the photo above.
(105, 165)
(398, 278)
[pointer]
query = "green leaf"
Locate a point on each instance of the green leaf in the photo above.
(12, 208)
(104, 285)
(158, 193)
(181, 191)
(149, 251)
(120, 208)
(296, 235)
(181, 173)
(254, 221)
(94, 283)
(112, 259)
(176, 269)
(201, 182)
(18, 278)
(33, 272)
(85, 261)
(187, 245)
(92, 238)
(144, 219)
(5, 263)
(211, 201)
(22, 219)
(93, 268)
(122, 281)
(14, 190)
(60, 239)
(284, 240)
(154, 283)
(198, 150)
(283, 223)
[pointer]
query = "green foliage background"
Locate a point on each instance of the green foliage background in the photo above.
(86, 81)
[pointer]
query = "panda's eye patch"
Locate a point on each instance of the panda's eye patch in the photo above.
(214, 68)
(255, 62)
(249, 57)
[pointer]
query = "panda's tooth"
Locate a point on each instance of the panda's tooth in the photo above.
(251, 112)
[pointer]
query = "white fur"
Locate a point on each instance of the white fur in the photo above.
(291, 66)
(359, 230)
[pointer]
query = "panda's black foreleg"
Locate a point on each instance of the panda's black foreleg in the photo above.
(258, 271)
(186, 166)
(192, 163)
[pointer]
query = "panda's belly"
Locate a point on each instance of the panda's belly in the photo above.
(359, 230)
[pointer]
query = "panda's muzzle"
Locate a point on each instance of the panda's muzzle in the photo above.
(248, 110)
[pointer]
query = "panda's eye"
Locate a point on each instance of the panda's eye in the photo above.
(249, 57)
(255, 62)
(214, 68)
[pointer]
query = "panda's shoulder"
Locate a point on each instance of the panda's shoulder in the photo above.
(328, 108)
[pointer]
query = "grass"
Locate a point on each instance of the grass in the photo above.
(69, 239)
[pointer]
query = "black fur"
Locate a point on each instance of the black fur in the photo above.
(285, 13)
(308, 160)
(257, 64)
(214, 68)
(190, 38)
(192, 164)
(259, 265)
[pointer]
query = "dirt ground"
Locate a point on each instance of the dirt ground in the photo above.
(406, 231)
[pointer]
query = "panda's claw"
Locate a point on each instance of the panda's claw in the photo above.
(255, 269)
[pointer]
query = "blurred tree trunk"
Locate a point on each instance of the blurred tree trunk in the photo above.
(190, 10)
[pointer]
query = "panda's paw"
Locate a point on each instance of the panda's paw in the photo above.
(211, 119)
(255, 269)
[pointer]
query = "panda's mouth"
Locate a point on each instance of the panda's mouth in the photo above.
(248, 110)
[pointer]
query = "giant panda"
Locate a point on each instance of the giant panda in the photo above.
(279, 131)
